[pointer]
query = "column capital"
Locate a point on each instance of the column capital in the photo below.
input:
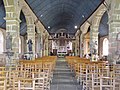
(12, 19)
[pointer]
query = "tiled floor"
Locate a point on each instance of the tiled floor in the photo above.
(63, 78)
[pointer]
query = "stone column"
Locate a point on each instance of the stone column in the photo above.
(76, 46)
(84, 28)
(12, 28)
(43, 43)
(39, 44)
(94, 43)
(46, 46)
(114, 29)
(40, 38)
(81, 46)
(22, 45)
(73, 48)
(86, 46)
(31, 34)
(79, 43)
(94, 32)
(49, 46)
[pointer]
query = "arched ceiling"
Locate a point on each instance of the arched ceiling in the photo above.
(63, 14)
(58, 14)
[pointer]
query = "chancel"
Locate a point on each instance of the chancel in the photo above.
(59, 44)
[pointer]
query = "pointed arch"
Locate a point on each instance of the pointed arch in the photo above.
(23, 24)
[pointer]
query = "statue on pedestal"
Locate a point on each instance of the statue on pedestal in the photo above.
(95, 48)
(94, 53)
(30, 45)
(9, 53)
(8, 42)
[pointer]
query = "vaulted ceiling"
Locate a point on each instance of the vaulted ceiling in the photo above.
(63, 14)
(58, 15)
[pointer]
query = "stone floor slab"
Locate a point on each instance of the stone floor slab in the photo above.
(63, 77)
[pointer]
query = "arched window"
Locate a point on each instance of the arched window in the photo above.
(20, 45)
(1, 42)
(70, 45)
(105, 46)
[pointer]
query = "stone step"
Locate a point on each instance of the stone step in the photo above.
(62, 70)
(62, 66)
(63, 77)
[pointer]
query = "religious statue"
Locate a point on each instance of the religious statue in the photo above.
(95, 48)
(30, 45)
(8, 41)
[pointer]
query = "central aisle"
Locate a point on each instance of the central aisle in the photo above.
(63, 78)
